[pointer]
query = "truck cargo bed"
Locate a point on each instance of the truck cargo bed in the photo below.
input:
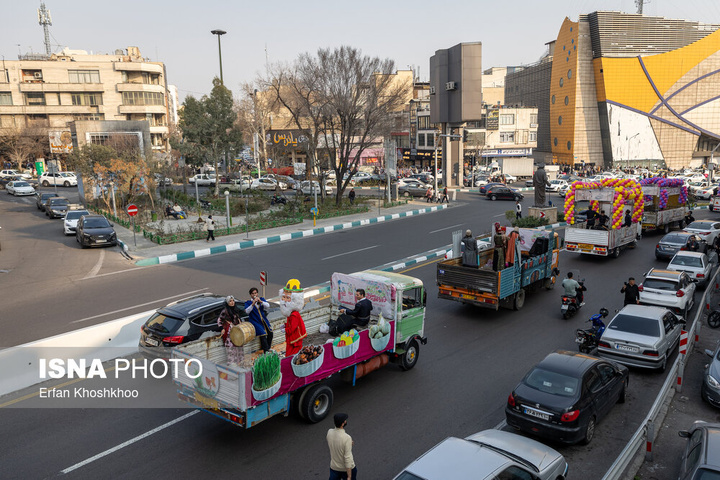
(452, 273)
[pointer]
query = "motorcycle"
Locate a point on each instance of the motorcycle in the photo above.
(587, 340)
(205, 204)
(278, 200)
(570, 305)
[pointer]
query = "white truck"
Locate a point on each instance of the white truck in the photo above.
(521, 167)
(228, 390)
(672, 212)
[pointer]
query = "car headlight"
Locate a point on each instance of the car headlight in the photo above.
(712, 382)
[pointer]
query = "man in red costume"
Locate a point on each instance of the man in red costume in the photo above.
(290, 305)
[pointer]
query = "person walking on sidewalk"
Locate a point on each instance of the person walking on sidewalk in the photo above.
(351, 196)
(342, 464)
(210, 224)
(518, 210)
(631, 291)
(445, 196)
(428, 195)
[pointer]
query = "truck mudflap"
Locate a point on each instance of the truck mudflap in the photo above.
(463, 295)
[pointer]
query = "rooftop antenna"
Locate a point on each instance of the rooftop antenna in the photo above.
(639, 4)
(45, 20)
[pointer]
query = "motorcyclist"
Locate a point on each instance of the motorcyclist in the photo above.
(598, 326)
(573, 289)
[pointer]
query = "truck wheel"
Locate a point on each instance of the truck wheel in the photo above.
(666, 229)
(519, 299)
(549, 283)
(316, 402)
(616, 252)
(410, 357)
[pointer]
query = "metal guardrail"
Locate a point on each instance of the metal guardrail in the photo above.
(646, 432)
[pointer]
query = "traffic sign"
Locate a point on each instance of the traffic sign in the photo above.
(263, 278)
(683, 342)
(542, 214)
(132, 210)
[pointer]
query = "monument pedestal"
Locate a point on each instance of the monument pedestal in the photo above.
(550, 213)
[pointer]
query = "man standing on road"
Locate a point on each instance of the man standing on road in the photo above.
(445, 196)
(518, 210)
(631, 291)
(342, 464)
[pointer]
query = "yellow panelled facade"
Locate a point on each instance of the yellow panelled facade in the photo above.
(563, 90)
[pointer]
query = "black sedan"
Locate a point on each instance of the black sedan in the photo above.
(95, 231)
(564, 396)
(501, 192)
(41, 198)
(673, 242)
(56, 207)
(484, 189)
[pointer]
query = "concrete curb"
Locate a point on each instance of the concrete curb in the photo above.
(176, 257)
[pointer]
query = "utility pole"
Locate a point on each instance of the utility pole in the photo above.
(45, 20)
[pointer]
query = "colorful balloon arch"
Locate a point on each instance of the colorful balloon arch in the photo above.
(665, 183)
(627, 191)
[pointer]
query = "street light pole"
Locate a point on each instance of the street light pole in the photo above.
(219, 33)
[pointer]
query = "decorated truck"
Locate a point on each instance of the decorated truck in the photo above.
(534, 266)
(665, 203)
(263, 385)
(613, 196)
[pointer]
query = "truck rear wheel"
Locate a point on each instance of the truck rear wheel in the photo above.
(616, 252)
(316, 402)
(519, 300)
(410, 357)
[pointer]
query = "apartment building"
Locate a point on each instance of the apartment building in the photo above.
(52, 92)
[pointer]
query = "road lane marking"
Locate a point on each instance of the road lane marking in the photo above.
(129, 442)
(114, 273)
(97, 266)
(500, 425)
(499, 215)
(135, 306)
(447, 228)
(348, 253)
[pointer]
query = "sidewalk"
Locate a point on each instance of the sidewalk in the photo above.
(144, 252)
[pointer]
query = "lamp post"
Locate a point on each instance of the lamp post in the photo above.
(219, 33)
(227, 208)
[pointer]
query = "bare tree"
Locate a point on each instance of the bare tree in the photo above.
(19, 143)
(343, 101)
(255, 109)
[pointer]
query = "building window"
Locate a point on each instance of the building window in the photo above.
(430, 140)
(92, 99)
(553, 99)
(4, 77)
(142, 98)
(34, 98)
(532, 137)
(99, 138)
(533, 118)
(507, 137)
(569, 74)
(421, 139)
(84, 76)
(88, 116)
(567, 99)
(555, 142)
(560, 120)
(423, 122)
(507, 119)
(561, 82)
(5, 98)
(569, 146)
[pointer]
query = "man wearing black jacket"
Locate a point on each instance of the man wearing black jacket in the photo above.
(361, 312)
(631, 291)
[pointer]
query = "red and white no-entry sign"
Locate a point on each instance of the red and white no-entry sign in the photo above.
(263, 278)
(683, 342)
(132, 210)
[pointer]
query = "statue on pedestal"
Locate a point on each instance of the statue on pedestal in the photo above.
(540, 181)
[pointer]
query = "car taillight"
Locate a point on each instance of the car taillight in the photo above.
(679, 293)
(176, 339)
(570, 416)
(603, 344)
(700, 275)
(511, 400)
(640, 287)
(651, 353)
(657, 247)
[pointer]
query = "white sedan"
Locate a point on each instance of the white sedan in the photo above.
(666, 288)
(556, 185)
(696, 264)
(707, 192)
(14, 173)
(706, 229)
(510, 178)
(71, 219)
(307, 188)
(266, 184)
(19, 187)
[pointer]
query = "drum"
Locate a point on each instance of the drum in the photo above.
(242, 334)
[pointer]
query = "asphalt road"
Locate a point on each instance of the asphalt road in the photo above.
(472, 360)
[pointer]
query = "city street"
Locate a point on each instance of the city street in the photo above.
(472, 361)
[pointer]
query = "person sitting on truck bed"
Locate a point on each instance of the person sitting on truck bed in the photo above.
(590, 215)
(628, 219)
(602, 221)
(361, 313)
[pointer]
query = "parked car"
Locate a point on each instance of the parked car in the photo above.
(71, 219)
(562, 191)
(41, 198)
(95, 231)
(423, 177)
(556, 185)
(204, 179)
(413, 188)
(701, 458)
(665, 288)
(19, 187)
(162, 180)
(66, 179)
(710, 391)
(13, 178)
(267, 184)
(180, 322)
(501, 192)
(487, 455)
(15, 173)
(566, 395)
(674, 242)
(236, 184)
(306, 188)
(706, 193)
(641, 336)
(55, 207)
(696, 264)
(509, 178)
(706, 229)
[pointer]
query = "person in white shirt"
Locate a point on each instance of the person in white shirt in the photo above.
(210, 223)
(342, 464)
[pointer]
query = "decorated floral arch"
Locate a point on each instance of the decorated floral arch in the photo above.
(626, 192)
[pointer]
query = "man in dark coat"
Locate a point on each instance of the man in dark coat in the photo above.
(361, 312)
(470, 250)
(628, 219)
(631, 291)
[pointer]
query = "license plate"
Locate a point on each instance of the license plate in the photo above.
(536, 414)
(151, 341)
(100, 240)
(466, 296)
(627, 348)
(585, 246)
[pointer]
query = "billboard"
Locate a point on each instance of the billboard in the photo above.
(61, 142)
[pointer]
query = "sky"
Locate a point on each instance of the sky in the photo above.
(177, 32)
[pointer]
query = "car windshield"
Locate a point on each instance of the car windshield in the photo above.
(635, 325)
(75, 214)
(162, 324)
(58, 201)
(700, 226)
(552, 382)
(674, 238)
(705, 474)
(96, 223)
(661, 284)
(686, 261)
(20, 184)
